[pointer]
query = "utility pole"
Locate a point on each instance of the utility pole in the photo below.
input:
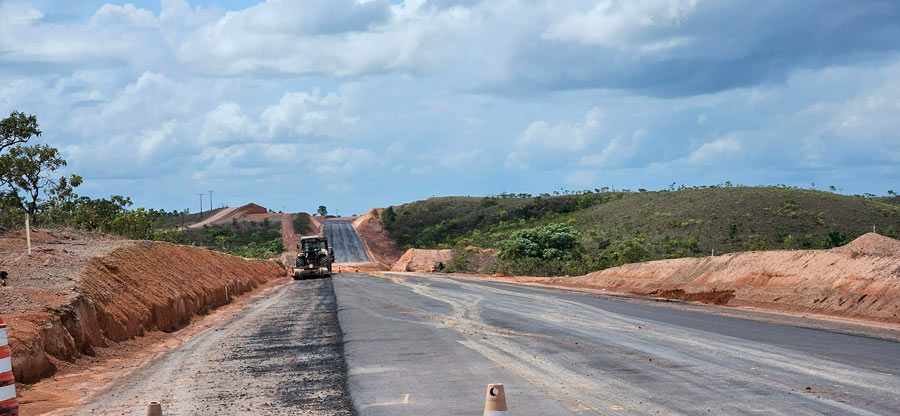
(210, 201)
(201, 205)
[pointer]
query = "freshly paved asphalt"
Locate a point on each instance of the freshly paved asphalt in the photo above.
(346, 243)
(417, 345)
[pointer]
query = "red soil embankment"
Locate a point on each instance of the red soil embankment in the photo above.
(417, 260)
(860, 280)
(379, 247)
(141, 287)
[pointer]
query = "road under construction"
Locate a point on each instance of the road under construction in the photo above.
(391, 343)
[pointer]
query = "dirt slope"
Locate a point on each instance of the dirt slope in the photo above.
(416, 260)
(121, 290)
(860, 280)
(224, 216)
(379, 246)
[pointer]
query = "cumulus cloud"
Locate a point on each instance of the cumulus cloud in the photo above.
(374, 90)
(543, 144)
(715, 151)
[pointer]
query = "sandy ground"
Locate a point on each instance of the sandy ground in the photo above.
(416, 260)
(47, 278)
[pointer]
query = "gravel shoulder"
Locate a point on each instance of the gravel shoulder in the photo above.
(282, 354)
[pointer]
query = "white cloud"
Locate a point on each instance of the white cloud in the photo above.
(300, 114)
(619, 150)
(715, 151)
(624, 24)
(541, 143)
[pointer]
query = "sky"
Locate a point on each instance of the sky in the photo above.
(357, 104)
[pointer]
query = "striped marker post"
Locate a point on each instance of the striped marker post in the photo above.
(495, 401)
(9, 406)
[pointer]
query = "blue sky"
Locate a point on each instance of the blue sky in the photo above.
(388, 102)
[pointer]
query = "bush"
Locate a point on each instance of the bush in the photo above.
(300, 223)
(836, 239)
(553, 241)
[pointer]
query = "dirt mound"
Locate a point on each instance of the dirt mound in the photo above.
(378, 245)
(118, 295)
(871, 244)
(418, 260)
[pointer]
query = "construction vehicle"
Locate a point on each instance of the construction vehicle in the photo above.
(314, 259)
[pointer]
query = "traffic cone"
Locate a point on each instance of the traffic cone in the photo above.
(154, 409)
(9, 406)
(495, 401)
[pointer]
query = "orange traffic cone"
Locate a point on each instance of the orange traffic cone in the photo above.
(154, 409)
(8, 403)
(495, 401)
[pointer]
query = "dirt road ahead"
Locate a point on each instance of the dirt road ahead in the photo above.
(282, 355)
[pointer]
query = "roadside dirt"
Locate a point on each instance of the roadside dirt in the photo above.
(64, 305)
(416, 260)
(378, 246)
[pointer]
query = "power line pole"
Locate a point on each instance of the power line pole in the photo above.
(210, 201)
(201, 205)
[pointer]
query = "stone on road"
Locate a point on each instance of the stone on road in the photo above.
(429, 345)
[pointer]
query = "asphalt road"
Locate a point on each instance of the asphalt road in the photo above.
(281, 355)
(347, 245)
(418, 345)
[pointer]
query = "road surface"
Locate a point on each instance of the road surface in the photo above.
(347, 246)
(429, 345)
(407, 344)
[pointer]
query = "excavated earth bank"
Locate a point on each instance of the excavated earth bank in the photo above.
(860, 280)
(138, 287)
(418, 260)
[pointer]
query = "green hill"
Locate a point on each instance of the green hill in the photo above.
(619, 227)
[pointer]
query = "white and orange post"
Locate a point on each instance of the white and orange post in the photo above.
(495, 401)
(9, 406)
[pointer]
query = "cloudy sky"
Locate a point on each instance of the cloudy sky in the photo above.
(386, 102)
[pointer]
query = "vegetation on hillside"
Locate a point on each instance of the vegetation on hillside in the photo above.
(618, 227)
(300, 223)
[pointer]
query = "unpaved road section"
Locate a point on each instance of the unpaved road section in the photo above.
(347, 246)
(429, 345)
(282, 355)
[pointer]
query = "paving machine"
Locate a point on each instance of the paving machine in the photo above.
(315, 258)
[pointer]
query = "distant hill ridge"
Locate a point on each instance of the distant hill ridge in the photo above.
(668, 224)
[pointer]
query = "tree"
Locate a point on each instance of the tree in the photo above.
(26, 171)
(322, 211)
(17, 129)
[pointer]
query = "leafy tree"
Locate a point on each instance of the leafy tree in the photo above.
(26, 172)
(388, 216)
(17, 129)
(322, 211)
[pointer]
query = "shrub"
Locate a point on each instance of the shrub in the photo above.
(836, 239)
(553, 241)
